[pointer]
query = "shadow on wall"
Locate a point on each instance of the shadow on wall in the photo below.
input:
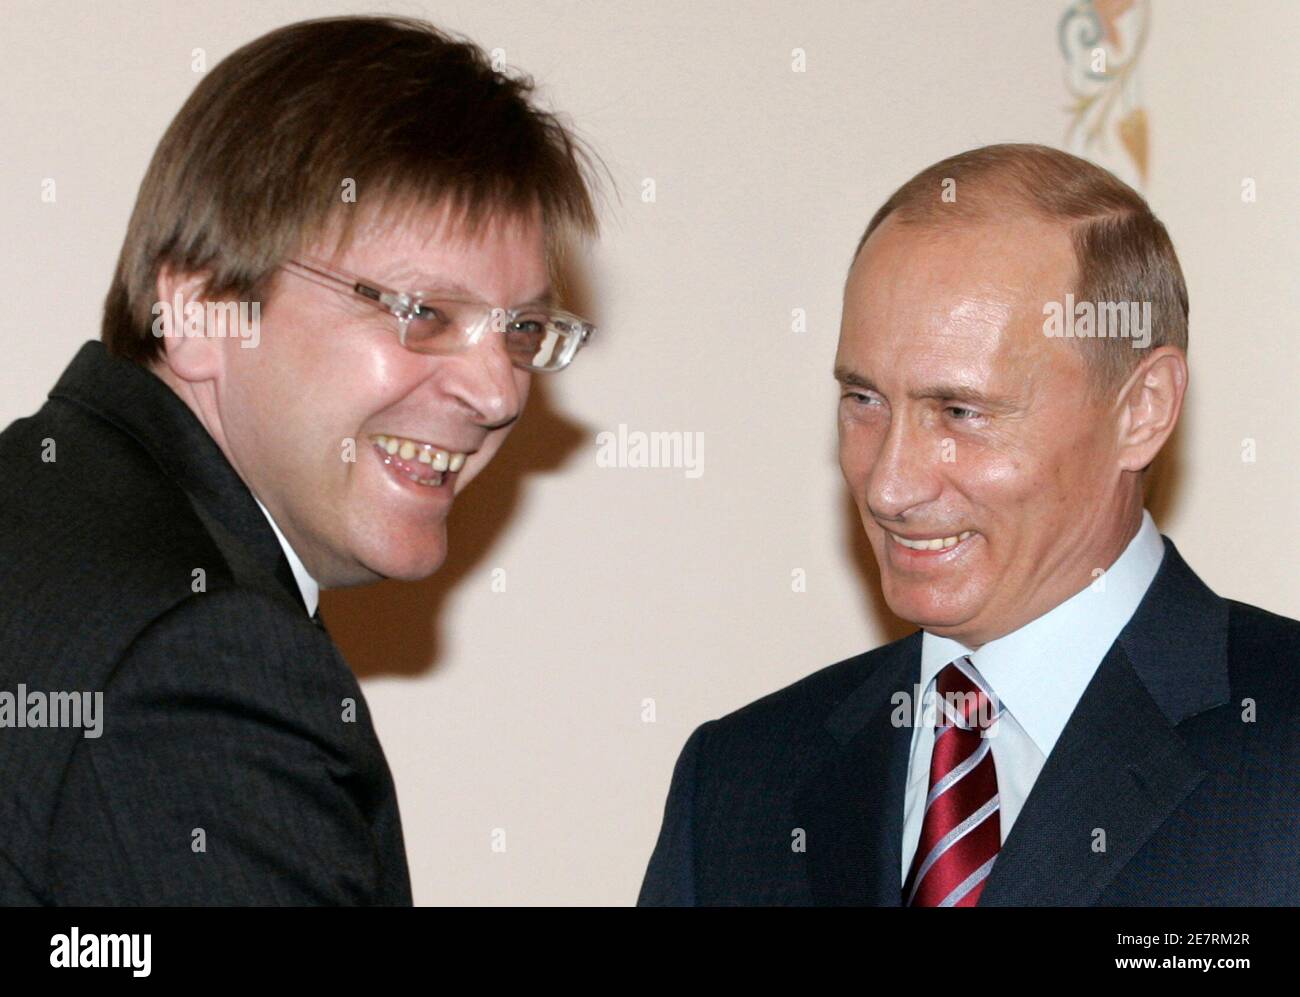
(392, 628)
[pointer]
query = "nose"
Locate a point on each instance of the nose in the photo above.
(905, 472)
(483, 380)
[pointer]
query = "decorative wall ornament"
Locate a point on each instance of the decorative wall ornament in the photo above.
(1102, 41)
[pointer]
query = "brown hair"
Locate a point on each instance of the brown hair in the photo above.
(251, 169)
(1122, 251)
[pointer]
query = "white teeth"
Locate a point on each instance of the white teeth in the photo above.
(438, 460)
(938, 543)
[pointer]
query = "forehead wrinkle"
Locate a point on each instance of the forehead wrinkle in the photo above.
(974, 313)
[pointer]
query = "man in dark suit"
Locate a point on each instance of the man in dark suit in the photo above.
(1079, 720)
(176, 726)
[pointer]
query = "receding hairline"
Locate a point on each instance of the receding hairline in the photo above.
(988, 183)
(1015, 209)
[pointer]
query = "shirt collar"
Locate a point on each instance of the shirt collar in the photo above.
(306, 584)
(1040, 671)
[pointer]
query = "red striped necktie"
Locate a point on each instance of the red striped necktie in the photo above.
(962, 829)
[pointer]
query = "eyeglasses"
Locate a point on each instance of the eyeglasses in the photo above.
(536, 337)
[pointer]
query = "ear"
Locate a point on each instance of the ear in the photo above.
(189, 354)
(1151, 402)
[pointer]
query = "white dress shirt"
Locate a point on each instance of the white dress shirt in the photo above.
(1038, 673)
(306, 583)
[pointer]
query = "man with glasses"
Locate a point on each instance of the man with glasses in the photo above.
(391, 206)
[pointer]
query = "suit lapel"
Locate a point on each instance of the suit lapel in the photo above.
(1120, 768)
(851, 805)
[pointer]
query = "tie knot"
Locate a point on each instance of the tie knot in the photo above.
(964, 698)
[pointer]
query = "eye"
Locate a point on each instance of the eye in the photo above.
(969, 413)
(856, 396)
(428, 313)
(528, 326)
(429, 324)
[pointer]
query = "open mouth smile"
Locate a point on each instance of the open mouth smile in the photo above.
(423, 463)
(932, 543)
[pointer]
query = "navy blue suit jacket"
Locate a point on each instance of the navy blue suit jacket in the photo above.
(1176, 780)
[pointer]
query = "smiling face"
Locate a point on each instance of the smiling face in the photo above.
(959, 418)
(329, 369)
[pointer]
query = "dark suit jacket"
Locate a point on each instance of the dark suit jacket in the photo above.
(1197, 805)
(226, 771)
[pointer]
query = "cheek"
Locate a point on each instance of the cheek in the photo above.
(362, 386)
(1020, 491)
(855, 467)
(257, 403)
(523, 382)
(858, 443)
(984, 484)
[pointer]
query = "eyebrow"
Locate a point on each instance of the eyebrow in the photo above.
(938, 392)
(442, 287)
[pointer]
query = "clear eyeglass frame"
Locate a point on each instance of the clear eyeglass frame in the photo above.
(538, 338)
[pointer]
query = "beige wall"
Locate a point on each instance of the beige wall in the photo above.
(523, 709)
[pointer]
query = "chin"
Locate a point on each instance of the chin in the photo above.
(414, 569)
(923, 610)
(405, 559)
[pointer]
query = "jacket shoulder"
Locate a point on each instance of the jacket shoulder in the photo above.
(97, 541)
(1264, 653)
(1253, 623)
